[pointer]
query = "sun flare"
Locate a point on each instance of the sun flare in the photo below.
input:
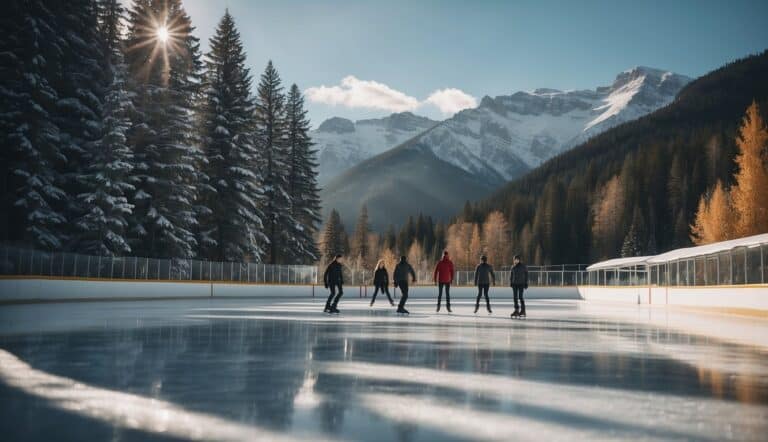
(162, 34)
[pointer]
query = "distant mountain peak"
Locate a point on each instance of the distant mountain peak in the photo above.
(336, 125)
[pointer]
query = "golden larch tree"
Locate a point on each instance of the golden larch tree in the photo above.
(750, 192)
(715, 217)
(497, 240)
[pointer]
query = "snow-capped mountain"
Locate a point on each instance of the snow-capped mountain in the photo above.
(474, 152)
(342, 143)
(509, 134)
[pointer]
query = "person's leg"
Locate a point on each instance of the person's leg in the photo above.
(522, 302)
(515, 296)
(448, 296)
(439, 294)
(375, 292)
(479, 293)
(385, 289)
(403, 296)
(338, 297)
(487, 287)
(330, 297)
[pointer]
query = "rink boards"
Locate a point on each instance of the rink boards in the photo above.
(735, 296)
(49, 289)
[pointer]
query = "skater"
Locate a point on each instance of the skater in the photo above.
(518, 279)
(334, 279)
(443, 277)
(402, 270)
(483, 277)
(381, 282)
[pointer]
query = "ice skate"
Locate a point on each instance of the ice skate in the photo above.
(515, 314)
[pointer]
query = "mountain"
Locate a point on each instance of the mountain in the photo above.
(398, 182)
(649, 173)
(487, 146)
(508, 135)
(342, 143)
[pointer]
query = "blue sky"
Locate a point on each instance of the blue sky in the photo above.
(395, 54)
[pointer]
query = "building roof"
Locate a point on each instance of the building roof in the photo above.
(708, 249)
(619, 262)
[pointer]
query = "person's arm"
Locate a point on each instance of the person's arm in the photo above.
(525, 272)
(450, 268)
(493, 276)
(435, 274)
(413, 273)
(511, 276)
(476, 269)
(325, 275)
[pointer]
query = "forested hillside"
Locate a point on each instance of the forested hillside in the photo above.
(635, 188)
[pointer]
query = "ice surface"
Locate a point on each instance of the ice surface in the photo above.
(244, 369)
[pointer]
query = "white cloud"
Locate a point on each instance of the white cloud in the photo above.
(451, 100)
(368, 94)
(354, 92)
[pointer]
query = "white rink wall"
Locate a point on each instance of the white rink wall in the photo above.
(34, 290)
(747, 297)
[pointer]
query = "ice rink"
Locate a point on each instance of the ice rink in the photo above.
(271, 369)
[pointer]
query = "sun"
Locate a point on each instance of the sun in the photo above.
(162, 34)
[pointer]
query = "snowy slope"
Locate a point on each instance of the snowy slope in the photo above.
(527, 128)
(342, 143)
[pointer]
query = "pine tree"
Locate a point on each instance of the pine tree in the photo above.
(360, 238)
(164, 79)
(302, 179)
(334, 237)
(232, 230)
(109, 160)
(272, 131)
(51, 73)
(630, 246)
(750, 193)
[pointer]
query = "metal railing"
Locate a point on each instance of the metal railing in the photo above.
(16, 261)
(537, 277)
(25, 262)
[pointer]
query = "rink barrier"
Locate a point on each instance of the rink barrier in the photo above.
(30, 289)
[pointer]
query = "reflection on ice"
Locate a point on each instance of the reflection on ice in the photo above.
(123, 409)
(255, 369)
(634, 413)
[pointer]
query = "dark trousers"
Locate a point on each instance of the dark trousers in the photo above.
(404, 294)
(447, 294)
(482, 289)
(384, 289)
(333, 298)
(517, 293)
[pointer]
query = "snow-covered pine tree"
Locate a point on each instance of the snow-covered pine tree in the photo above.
(631, 244)
(272, 133)
(232, 231)
(302, 181)
(80, 110)
(164, 73)
(109, 161)
(50, 104)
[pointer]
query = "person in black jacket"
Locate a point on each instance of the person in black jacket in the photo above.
(518, 280)
(483, 277)
(334, 279)
(402, 270)
(381, 282)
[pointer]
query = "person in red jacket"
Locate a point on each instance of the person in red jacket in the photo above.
(443, 278)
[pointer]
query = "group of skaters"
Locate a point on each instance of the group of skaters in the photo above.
(443, 277)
